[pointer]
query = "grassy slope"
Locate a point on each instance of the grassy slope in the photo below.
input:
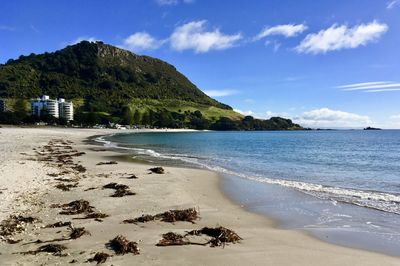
(210, 112)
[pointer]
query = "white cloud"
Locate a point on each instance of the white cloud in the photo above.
(193, 36)
(394, 121)
(249, 112)
(384, 90)
(266, 115)
(362, 84)
(84, 38)
(220, 93)
(270, 114)
(392, 3)
(287, 30)
(326, 117)
(141, 41)
(341, 37)
(376, 86)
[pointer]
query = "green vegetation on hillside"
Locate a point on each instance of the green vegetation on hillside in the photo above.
(109, 75)
(111, 85)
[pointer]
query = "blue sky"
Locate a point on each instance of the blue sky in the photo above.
(330, 63)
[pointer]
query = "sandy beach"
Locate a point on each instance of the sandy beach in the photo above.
(28, 180)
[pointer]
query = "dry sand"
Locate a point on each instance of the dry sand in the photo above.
(27, 189)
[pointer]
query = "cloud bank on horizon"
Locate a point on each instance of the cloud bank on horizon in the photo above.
(321, 118)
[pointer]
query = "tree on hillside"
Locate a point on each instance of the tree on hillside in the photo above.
(136, 117)
(146, 118)
(127, 116)
(21, 109)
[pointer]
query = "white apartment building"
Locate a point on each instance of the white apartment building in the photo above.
(65, 109)
(44, 104)
(57, 108)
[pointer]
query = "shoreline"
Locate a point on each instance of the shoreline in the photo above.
(179, 188)
(337, 236)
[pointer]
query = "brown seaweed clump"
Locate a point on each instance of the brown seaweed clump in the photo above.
(58, 224)
(94, 215)
(79, 168)
(76, 207)
(78, 232)
(172, 239)
(15, 224)
(13, 241)
(105, 163)
(65, 179)
(91, 188)
(142, 219)
(53, 174)
(157, 170)
(120, 190)
(100, 257)
(115, 186)
(219, 235)
(54, 249)
(121, 246)
(66, 187)
(171, 216)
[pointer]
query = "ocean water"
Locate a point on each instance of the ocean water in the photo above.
(341, 186)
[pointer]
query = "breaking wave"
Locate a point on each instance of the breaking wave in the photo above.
(386, 202)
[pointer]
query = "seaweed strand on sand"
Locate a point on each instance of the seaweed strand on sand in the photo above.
(121, 246)
(107, 163)
(157, 170)
(54, 249)
(75, 207)
(219, 236)
(100, 257)
(77, 232)
(120, 190)
(171, 216)
(14, 224)
(58, 224)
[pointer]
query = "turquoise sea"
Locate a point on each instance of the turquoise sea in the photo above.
(341, 186)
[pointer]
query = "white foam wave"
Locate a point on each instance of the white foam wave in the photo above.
(371, 199)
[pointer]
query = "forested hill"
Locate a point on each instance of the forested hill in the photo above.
(100, 71)
(111, 85)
